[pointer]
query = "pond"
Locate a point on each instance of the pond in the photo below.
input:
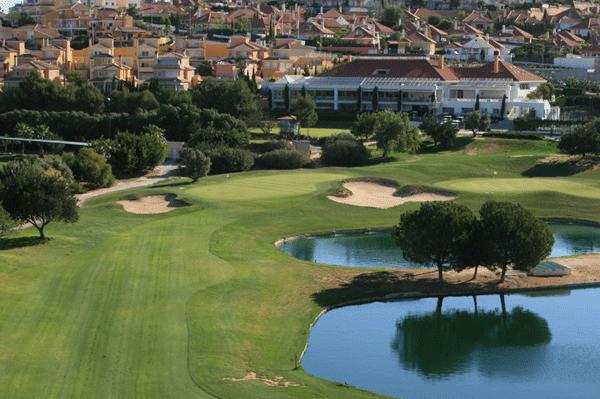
(377, 249)
(537, 345)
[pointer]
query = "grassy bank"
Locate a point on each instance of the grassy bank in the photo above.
(179, 304)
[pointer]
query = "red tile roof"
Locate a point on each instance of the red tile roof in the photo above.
(422, 68)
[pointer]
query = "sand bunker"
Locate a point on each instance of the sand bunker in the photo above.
(272, 382)
(375, 195)
(152, 204)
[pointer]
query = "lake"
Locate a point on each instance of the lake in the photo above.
(378, 250)
(538, 345)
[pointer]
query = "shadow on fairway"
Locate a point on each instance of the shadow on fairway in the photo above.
(20, 242)
(559, 168)
(459, 144)
(377, 284)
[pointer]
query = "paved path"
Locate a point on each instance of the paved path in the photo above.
(160, 173)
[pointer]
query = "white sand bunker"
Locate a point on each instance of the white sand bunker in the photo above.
(376, 195)
(152, 204)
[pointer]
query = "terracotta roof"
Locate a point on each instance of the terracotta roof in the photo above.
(506, 70)
(416, 68)
(477, 17)
(425, 13)
(590, 23)
(422, 68)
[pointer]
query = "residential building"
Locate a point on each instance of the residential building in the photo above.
(419, 85)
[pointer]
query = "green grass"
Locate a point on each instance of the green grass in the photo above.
(171, 305)
(322, 129)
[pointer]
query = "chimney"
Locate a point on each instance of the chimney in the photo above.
(496, 66)
(503, 28)
(121, 59)
(442, 62)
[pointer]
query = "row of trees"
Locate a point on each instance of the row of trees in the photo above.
(449, 235)
(583, 141)
(391, 130)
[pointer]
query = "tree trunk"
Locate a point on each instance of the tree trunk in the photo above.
(475, 304)
(475, 273)
(438, 305)
(40, 230)
(440, 272)
(503, 275)
(503, 304)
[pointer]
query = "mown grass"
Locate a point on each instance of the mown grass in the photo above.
(172, 305)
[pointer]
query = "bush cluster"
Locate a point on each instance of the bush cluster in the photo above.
(344, 150)
(227, 160)
(283, 159)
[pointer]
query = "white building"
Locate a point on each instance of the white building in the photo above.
(479, 49)
(419, 84)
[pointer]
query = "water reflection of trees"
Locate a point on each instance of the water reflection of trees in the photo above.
(439, 344)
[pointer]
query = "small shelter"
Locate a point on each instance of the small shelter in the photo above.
(289, 126)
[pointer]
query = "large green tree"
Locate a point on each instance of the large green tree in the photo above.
(90, 168)
(364, 126)
(584, 140)
(305, 110)
(394, 132)
(227, 96)
(437, 233)
(442, 134)
(511, 235)
(32, 192)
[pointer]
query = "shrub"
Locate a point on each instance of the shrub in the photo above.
(90, 167)
(344, 152)
(268, 146)
(194, 163)
(225, 160)
(283, 159)
(132, 153)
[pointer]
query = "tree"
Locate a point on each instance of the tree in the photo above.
(391, 15)
(286, 97)
(364, 126)
(6, 222)
(434, 20)
(584, 140)
(503, 107)
(359, 99)
(545, 91)
(375, 99)
(31, 192)
(511, 235)
(90, 167)
(393, 131)
(130, 153)
(194, 163)
(477, 106)
(305, 110)
(476, 121)
(233, 97)
(436, 234)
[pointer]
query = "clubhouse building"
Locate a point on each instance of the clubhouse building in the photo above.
(419, 85)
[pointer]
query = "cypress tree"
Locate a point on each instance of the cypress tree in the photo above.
(477, 103)
(503, 107)
(375, 99)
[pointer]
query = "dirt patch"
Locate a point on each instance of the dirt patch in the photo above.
(277, 381)
(484, 148)
(381, 196)
(152, 204)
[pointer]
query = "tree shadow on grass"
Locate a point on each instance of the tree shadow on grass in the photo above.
(172, 184)
(559, 168)
(378, 284)
(20, 242)
(428, 147)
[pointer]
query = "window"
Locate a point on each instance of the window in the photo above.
(524, 86)
(381, 72)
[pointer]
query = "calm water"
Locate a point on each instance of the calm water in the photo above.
(377, 249)
(545, 345)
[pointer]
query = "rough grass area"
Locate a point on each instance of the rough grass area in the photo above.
(188, 304)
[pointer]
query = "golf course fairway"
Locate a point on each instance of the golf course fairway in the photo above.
(198, 302)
